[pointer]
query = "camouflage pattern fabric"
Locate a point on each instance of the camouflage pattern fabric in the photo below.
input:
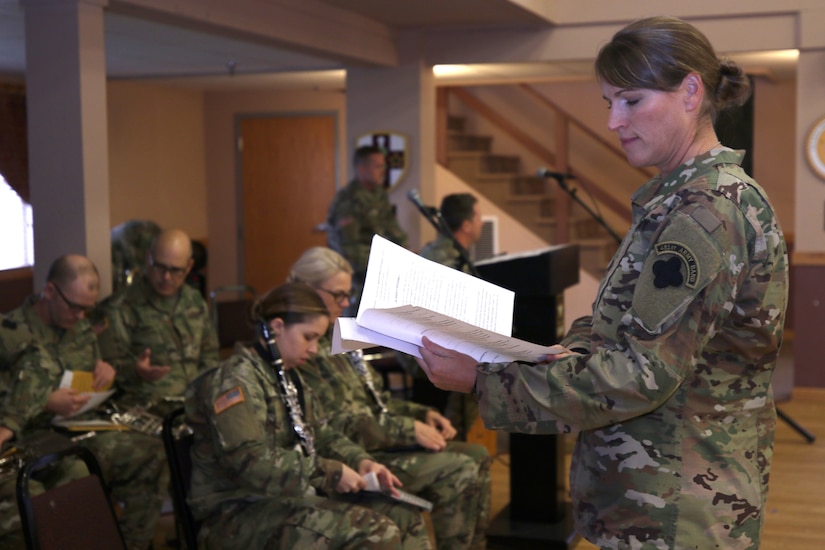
(131, 241)
(671, 391)
(133, 464)
(461, 408)
(177, 330)
(456, 480)
(443, 251)
(11, 531)
(252, 484)
(355, 215)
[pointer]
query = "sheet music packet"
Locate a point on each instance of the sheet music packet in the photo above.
(407, 297)
(81, 382)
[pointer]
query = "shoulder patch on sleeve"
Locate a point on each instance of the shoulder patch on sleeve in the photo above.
(683, 260)
(229, 399)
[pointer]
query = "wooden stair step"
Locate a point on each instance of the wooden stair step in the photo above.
(464, 142)
(526, 197)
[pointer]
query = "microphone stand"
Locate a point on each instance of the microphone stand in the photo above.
(572, 192)
(434, 217)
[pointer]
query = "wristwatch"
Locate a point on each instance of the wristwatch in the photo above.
(815, 147)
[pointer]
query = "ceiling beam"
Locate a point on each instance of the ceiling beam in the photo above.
(307, 26)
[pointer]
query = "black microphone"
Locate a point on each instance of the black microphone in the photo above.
(415, 198)
(544, 173)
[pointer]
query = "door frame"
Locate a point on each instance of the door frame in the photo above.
(239, 204)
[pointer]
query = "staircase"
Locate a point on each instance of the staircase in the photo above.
(528, 198)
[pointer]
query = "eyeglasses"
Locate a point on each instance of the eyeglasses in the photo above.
(163, 269)
(339, 296)
(75, 308)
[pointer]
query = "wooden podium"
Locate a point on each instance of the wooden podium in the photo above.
(536, 516)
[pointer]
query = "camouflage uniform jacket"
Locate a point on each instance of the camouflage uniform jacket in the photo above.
(37, 355)
(443, 251)
(671, 391)
(244, 445)
(355, 215)
(351, 407)
(178, 331)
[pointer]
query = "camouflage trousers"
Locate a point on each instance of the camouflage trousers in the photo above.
(315, 522)
(11, 530)
(135, 468)
(457, 481)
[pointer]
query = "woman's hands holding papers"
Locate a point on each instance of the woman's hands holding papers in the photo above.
(453, 371)
(447, 369)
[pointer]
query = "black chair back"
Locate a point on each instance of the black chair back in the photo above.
(59, 518)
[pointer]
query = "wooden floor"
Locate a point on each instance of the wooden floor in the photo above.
(796, 504)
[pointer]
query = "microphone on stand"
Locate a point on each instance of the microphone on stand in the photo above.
(415, 198)
(544, 173)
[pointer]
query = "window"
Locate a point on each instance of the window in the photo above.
(17, 245)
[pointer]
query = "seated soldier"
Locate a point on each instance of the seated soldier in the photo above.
(461, 214)
(454, 475)
(49, 335)
(266, 471)
(130, 241)
(157, 332)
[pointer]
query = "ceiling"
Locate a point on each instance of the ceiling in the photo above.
(144, 48)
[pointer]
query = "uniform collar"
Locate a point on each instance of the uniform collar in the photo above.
(659, 187)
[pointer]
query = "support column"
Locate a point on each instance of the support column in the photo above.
(68, 147)
(400, 100)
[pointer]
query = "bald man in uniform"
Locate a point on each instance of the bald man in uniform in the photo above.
(157, 332)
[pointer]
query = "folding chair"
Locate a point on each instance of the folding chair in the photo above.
(75, 515)
(177, 440)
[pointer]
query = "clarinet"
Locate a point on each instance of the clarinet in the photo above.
(289, 395)
(357, 357)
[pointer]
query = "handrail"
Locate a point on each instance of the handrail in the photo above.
(541, 151)
(508, 127)
(646, 172)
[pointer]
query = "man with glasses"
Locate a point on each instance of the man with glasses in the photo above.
(41, 340)
(157, 332)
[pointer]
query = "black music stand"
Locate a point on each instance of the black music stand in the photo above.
(537, 516)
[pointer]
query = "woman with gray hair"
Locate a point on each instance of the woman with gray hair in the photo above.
(414, 441)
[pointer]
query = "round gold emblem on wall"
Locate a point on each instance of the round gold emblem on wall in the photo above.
(815, 147)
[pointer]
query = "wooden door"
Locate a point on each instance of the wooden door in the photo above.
(288, 182)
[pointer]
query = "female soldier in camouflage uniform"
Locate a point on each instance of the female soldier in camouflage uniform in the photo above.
(669, 379)
(414, 440)
(259, 479)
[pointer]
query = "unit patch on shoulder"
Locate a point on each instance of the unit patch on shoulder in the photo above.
(668, 272)
(228, 399)
(678, 266)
